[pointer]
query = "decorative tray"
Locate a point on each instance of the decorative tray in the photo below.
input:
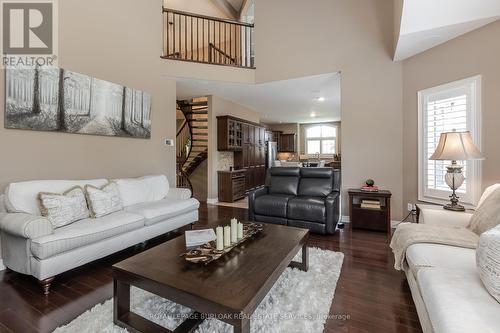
(208, 252)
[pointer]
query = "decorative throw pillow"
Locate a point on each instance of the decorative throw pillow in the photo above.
(63, 209)
(104, 200)
(488, 261)
(487, 215)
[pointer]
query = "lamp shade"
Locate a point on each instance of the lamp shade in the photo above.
(456, 146)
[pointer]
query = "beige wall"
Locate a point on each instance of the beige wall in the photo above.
(218, 106)
(204, 7)
(477, 52)
(285, 128)
(114, 40)
(356, 38)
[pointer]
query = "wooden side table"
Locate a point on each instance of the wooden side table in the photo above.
(377, 219)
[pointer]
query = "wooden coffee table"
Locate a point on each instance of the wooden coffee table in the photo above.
(229, 289)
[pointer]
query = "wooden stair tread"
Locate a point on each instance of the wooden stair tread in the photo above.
(197, 112)
(194, 103)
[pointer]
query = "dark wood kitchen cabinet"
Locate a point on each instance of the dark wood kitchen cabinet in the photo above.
(229, 134)
(288, 143)
(249, 152)
(232, 185)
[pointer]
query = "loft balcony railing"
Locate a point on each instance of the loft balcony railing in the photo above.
(206, 39)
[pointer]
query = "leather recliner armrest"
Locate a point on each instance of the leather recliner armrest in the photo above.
(332, 203)
(25, 225)
(251, 200)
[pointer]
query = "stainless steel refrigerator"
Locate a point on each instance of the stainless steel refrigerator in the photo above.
(271, 154)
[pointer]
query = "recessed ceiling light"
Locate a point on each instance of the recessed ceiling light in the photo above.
(320, 99)
(313, 114)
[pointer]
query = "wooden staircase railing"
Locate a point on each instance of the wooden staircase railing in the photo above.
(214, 51)
(192, 147)
(207, 39)
(183, 142)
(183, 179)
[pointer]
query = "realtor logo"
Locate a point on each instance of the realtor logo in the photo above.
(29, 32)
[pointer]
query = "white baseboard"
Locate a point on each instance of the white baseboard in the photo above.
(212, 201)
(2, 267)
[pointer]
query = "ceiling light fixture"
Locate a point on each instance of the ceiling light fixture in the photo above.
(320, 99)
(313, 114)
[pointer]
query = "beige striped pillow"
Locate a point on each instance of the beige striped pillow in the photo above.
(63, 209)
(103, 201)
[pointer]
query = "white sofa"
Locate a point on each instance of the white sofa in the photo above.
(445, 285)
(30, 245)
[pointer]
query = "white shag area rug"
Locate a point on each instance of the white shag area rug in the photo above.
(298, 302)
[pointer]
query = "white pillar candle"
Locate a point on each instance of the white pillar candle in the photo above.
(234, 230)
(227, 236)
(240, 231)
(219, 231)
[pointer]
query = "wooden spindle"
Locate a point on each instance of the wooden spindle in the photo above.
(197, 39)
(192, 49)
(185, 37)
(173, 20)
(168, 34)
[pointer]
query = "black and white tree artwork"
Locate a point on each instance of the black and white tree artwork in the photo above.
(53, 99)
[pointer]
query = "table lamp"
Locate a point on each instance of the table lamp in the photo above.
(455, 146)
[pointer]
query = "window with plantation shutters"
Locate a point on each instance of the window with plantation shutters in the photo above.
(451, 107)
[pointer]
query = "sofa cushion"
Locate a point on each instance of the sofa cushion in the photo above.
(65, 208)
(272, 205)
(22, 197)
(284, 181)
(164, 209)
(316, 182)
(307, 209)
(85, 232)
(440, 256)
(456, 301)
(145, 189)
(488, 261)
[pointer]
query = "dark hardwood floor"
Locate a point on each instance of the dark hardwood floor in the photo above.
(370, 294)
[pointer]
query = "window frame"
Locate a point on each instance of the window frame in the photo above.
(321, 139)
(472, 87)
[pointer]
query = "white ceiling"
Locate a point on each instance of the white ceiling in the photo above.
(288, 101)
(428, 23)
